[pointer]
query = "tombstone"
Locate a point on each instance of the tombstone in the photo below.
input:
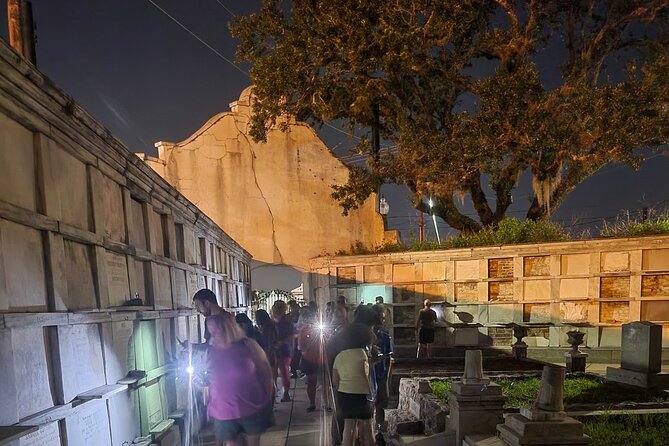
(8, 410)
(119, 348)
(47, 435)
(640, 357)
(88, 425)
(79, 365)
(545, 423)
(31, 371)
(124, 417)
(476, 404)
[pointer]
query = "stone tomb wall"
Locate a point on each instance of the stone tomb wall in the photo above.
(85, 226)
(599, 284)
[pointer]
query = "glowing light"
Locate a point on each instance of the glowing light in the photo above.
(321, 327)
(190, 369)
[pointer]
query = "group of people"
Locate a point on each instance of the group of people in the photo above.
(347, 350)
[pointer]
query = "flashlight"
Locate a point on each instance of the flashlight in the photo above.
(190, 369)
(321, 327)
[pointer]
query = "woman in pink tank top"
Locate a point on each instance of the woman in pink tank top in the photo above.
(240, 384)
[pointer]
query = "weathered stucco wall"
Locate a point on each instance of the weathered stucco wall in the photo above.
(85, 226)
(600, 284)
(273, 198)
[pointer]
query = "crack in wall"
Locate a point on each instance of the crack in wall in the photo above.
(262, 195)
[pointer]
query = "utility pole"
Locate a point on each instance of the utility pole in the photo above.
(21, 28)
(421, 227)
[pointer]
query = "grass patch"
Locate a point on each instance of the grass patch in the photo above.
(577, 390)
(627, 430)
(627, 226)
(513, 231)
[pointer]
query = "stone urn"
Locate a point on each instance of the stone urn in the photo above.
(519, 349)
(575, 338)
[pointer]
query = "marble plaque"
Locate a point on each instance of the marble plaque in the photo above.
(80, 366)
(119, 349)
(89, 425)
(194, 328)
(22, 274)
(147, 357)
(537, 290)
(67, 201)
(114, 213)
(434, 271)
(467, 269)
(180, 289)
(574, 311)
(17, 164)
(614, 312)
(466, 292)
(79, 273)
(117, 278)
(536, 313)
(404, 315)
(157, 235)
(8, 410)
(615, 261)
(571, 288)
(181, 328)
(47, 435)
(137, 279)
(374, 273)
(575, 264)
(195, 284)
(31, 371)
(345, 275)
(153, 407)
(124, 417)
(162, 287)
(403, 294)
(436, 292)
(136, 228)
(190, 246)
(404, 272)
(536, 266)
(500, 291)
(500, 313)
(655, 259)
(164, 342)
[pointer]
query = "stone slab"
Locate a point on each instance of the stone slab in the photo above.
(11, 433)
(102, 392)
(78, 357)
(8, 410)
(118, 282)
(482, 440)
(31, 371)
(518, 430)
(47, 435)
(119, 347)
(638, 379)
(89, 425)
(466, 336)
(124, 417)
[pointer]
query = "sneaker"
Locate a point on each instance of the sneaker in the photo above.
(311, 409)
(285, 398)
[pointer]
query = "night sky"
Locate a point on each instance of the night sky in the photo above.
(147, 79)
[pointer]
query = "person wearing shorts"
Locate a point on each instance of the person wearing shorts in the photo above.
(425, 326)
(310, 343)
(350, 376)
(240, 384)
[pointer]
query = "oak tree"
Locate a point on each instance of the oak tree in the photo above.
(472, 93)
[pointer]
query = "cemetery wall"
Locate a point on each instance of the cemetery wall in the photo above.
(85, 226)
(596, 284)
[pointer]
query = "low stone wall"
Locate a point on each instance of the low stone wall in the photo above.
(418, 403)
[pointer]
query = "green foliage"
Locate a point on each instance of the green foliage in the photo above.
(577, 390)
(626, 430)
(408, 67)
(441, 388)
(627, 226)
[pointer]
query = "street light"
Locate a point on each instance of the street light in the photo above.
(434, 220)
(384, 208)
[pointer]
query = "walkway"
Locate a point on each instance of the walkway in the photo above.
(294, 425)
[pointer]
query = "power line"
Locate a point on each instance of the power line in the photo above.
(225, 7)
(185, 28)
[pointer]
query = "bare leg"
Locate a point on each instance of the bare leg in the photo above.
(240, 440)
(253, 440)
(349, 432)
(428, 350)
(312, 382)
(366, 433)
